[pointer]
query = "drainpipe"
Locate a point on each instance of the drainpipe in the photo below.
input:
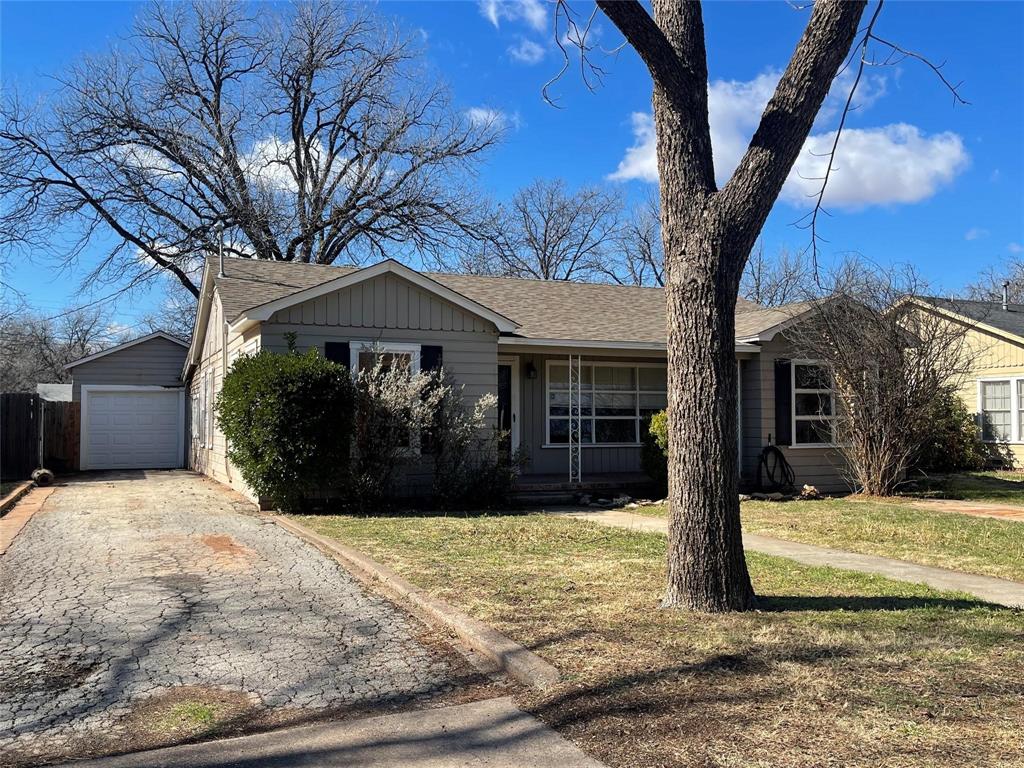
(1006, 294)
(219, 227)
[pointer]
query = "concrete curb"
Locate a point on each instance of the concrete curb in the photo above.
(15, 521)
(9, 500)
(505, 654)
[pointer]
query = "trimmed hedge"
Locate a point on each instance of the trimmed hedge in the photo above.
(288, 422)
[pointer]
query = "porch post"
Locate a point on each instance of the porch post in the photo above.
(575, 454)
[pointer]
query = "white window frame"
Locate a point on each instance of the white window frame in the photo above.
(793, 392)
(413, 350)
(1016, 424)
(635, 391)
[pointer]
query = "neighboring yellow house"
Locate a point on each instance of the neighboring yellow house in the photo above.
(993, 389)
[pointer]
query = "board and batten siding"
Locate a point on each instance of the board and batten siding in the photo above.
(154, 363)
(821, 467)
(387, 309)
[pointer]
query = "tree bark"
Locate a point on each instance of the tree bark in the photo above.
(708, 235)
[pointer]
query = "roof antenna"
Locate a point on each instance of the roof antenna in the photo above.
(219, 228)
(1006, 294)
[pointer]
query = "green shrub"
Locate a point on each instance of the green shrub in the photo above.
(654, 449)
(953, 443)
(288, 422)
(473, 465)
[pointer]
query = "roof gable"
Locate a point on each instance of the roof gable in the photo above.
(986, 316)
(352, 277)
(126, 345)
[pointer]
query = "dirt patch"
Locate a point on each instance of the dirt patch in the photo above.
(224, 545)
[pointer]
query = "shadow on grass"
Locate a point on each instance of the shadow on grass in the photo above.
(824, 603)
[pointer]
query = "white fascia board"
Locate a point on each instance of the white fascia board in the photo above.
(654, 346)
(206, 288)
(965, 320)
(124, 346)
(265, 311)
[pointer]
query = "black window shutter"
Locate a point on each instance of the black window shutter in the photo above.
(431, 358)
(783, 404)
(338, 352)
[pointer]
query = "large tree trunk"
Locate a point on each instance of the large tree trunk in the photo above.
(707, 235)
(706, 567)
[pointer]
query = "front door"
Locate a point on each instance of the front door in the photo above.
(508, 399)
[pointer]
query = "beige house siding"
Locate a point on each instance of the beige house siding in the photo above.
(153, 363)
(992, 357)
(215, 358)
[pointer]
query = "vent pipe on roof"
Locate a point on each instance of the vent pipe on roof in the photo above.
(219, 227)
(1006, 295)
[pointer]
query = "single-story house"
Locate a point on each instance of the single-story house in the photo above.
(532, 343)
(133, 405)
(993, 388)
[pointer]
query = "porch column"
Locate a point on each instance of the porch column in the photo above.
(575, 398)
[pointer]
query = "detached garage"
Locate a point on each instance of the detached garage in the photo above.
(132, 404)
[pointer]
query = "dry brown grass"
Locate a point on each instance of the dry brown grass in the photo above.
(836, 669)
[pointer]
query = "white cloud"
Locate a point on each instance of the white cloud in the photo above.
(975, 233)
(873, 166)
(495, 118)
(527, 52)
(532, 12)
(641, 161)
(1015, 248)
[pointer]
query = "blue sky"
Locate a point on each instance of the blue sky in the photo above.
(920, 180)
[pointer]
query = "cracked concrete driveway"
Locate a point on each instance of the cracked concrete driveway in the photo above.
(130, 586)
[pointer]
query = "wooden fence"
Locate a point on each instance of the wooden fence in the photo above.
(32, 428)
(61, 426)
(19, 435)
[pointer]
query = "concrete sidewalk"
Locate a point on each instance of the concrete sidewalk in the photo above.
(492, 733)
(999, 591)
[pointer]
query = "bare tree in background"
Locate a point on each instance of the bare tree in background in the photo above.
(35, 349)
(639, 259)
(772, 282)
(888, 362)
(547, 232)
(989, 285)
(311, 134)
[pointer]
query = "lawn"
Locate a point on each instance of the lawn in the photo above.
(836, 668)
(1001, 487)
(891, 528)
(6, 488)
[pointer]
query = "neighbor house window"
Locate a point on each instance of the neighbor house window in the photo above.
(615, 399)
(814, 405)
(996, 409)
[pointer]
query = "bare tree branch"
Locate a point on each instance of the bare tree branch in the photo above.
(309, 134)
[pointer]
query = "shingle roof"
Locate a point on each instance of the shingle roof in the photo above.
(544, 309)
(990, 313)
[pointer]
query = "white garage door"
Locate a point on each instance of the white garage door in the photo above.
(132, 428)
